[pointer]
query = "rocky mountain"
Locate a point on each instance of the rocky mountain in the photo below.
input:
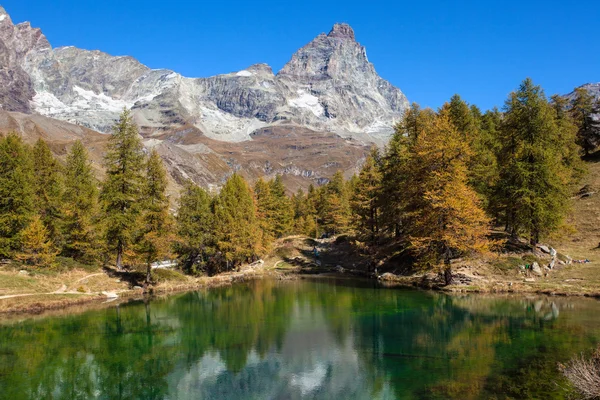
(592, 88)
(327, 97)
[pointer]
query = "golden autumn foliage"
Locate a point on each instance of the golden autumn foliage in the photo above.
(36, 246)
(447, 219)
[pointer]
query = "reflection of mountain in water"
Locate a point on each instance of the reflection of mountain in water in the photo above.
(294, 340)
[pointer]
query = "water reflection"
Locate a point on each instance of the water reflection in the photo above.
(307, 339)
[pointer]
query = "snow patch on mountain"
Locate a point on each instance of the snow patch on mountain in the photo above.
(307, 101)
(244, 73)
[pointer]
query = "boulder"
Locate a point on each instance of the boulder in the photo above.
(535, 268)
(552, 263)
(110, 295)
(23, 272)
(529, 280)
(544, 248)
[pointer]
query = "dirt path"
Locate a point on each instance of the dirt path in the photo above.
(60, 290)
(89, 276)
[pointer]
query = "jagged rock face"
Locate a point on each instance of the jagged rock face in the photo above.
(351, 96)
(15, 43)
(327, 86)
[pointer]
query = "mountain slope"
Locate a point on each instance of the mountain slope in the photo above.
(320, 113)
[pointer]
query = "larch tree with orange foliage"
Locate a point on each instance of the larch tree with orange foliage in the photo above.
(447, 219)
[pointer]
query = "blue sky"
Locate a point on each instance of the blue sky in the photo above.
(429, 49)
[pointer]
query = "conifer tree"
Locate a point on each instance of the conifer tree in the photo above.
(265, 210)
(449, 221)
(534, 179)
(80, 202)
(195, 225)
(48, 187)
(156, 234)
(36, 247)
(582, 111)
(309, 212)
(237, 230)
(122, 189)
(283, 217)
(17, 206)
(304, 214)
(567, 129)
(334, 207)
(366, 200)
(395, 186)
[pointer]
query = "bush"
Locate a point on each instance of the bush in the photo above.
(584, 374)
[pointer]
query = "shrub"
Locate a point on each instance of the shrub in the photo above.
(584, 374)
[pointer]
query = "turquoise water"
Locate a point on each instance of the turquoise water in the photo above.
(317, 339)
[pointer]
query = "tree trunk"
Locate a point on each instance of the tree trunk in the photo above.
(447, 274)
(120, 257)
(148, 273)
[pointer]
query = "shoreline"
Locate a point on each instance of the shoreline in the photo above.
(47, 302)
(60, 303)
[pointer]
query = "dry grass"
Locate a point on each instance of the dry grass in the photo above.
(584, 374)
(581, 240)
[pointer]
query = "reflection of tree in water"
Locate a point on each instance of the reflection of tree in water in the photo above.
(472, 347)
(298, 340)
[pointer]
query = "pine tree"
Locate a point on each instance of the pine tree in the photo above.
(534, 179)
(121, 193)
(283, 217)
(17, 205)
(567, 129)
(396, 188)
(582, 111)
(312, 200)
(237, 229)
(449, 221)
(156, 234)
(80, 202)
(48, 186)
(366, 199)
(36, 246)
(265, 210)
(195, 225)
(483, 169)
(334, 205)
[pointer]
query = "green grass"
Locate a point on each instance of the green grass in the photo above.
(17, 283)
(168, 275)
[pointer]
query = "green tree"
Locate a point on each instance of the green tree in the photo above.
(283, 217)
(483, 170)
(334, 205)
(534, 179)
(265, 210)
(237, 229)
(195, 225)
(80, 206)
(156, 235)
(48, 187)
(396, 189)
(17, 204)
(121, 194)
(588, 128)
(366, 200)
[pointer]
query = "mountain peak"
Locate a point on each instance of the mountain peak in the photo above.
(343, 31)
(4, 15)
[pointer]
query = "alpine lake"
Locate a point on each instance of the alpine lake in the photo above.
(320, 338)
